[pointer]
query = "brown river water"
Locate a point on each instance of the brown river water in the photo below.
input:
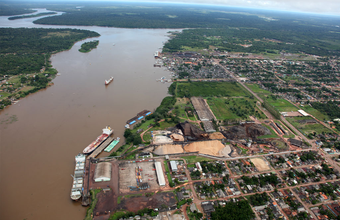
(40, 135)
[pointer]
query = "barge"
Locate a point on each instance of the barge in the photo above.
(78, 176)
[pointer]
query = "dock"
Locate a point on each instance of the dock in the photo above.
(99, 149)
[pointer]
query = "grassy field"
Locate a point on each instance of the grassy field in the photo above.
(180, 106)
(316, 113)
(307, 128)
(281, 105)
(168, 172)
(4, 95)
(255, 88)
(234, 108)
(194, 159)
(209, 89)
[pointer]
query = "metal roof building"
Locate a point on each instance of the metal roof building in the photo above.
(103, 172)
(173, 165)
(160, 174)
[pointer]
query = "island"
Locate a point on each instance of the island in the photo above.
(32, 16)
(88, 46)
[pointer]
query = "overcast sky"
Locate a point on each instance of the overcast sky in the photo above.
(313, 6)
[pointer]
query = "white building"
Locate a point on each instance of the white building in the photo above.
(103, 172)
(160, 174)
(173, 166)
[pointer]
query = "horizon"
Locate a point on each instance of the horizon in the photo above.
(327, 8)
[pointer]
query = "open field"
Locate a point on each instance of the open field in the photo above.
(214, 148)
(209, 89)
(308, 128)
(127, 175)
(194, 159)
(180, 109)
(260, 164)
(281, 105)
(316, 113)
(255, 88)
(234, 108)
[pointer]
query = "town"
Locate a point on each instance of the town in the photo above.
(236, 132)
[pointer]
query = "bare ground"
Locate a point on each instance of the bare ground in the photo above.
(260, 164)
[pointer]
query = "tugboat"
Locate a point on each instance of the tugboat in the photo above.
(107, 82)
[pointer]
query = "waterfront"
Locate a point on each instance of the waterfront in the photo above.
(53, 125)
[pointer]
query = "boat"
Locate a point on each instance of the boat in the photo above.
(112, 145)
(100, 139)
(107, 82)
(77, 186)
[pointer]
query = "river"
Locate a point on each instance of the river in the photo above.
(40, 135)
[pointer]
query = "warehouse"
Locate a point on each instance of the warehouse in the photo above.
(173, 166)
(102, 172)
(160, 175)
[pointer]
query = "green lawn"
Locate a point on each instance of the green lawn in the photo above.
(194, 159)
(180, 106)
(234, 108)
(255, 88)
(281, 105)
(307, 128)
(209, 89)
(167, 172)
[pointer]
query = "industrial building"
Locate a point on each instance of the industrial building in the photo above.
(160, 174)
(103, 172)
(173, 166)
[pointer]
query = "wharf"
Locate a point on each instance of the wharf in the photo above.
(99, 149)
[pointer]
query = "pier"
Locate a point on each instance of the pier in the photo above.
(99, 149)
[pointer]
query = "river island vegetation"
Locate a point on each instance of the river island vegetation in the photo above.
(31, 16)
(24, 58)
(88, 46)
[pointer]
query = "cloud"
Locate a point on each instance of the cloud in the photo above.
(311, 6)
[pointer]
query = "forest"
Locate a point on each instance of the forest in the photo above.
(240, 210)
(88, 46)
(330, 108)
(31, 16)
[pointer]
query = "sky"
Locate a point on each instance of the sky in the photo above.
(309, 6)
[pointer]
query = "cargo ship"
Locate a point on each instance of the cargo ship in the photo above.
(112, 145)
(107, 82)
(77, 186)
(100, 139)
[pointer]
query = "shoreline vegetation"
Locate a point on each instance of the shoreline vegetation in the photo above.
(88, 46)
(25, 58)
(32, 16)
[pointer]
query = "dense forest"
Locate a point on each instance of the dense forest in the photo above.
(31, 16)
(330, 108)
(88, 46)
(302, 39)
(240, 210)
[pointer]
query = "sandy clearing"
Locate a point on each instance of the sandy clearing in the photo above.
(168, 149)
(205, 147)
(260, 164)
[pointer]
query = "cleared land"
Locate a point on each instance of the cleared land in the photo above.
(307, 128)
(234, 108)
(260, 164)
(209, 89)
(281, 105)
(127, 175)
(213, 148)
(168, 149)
